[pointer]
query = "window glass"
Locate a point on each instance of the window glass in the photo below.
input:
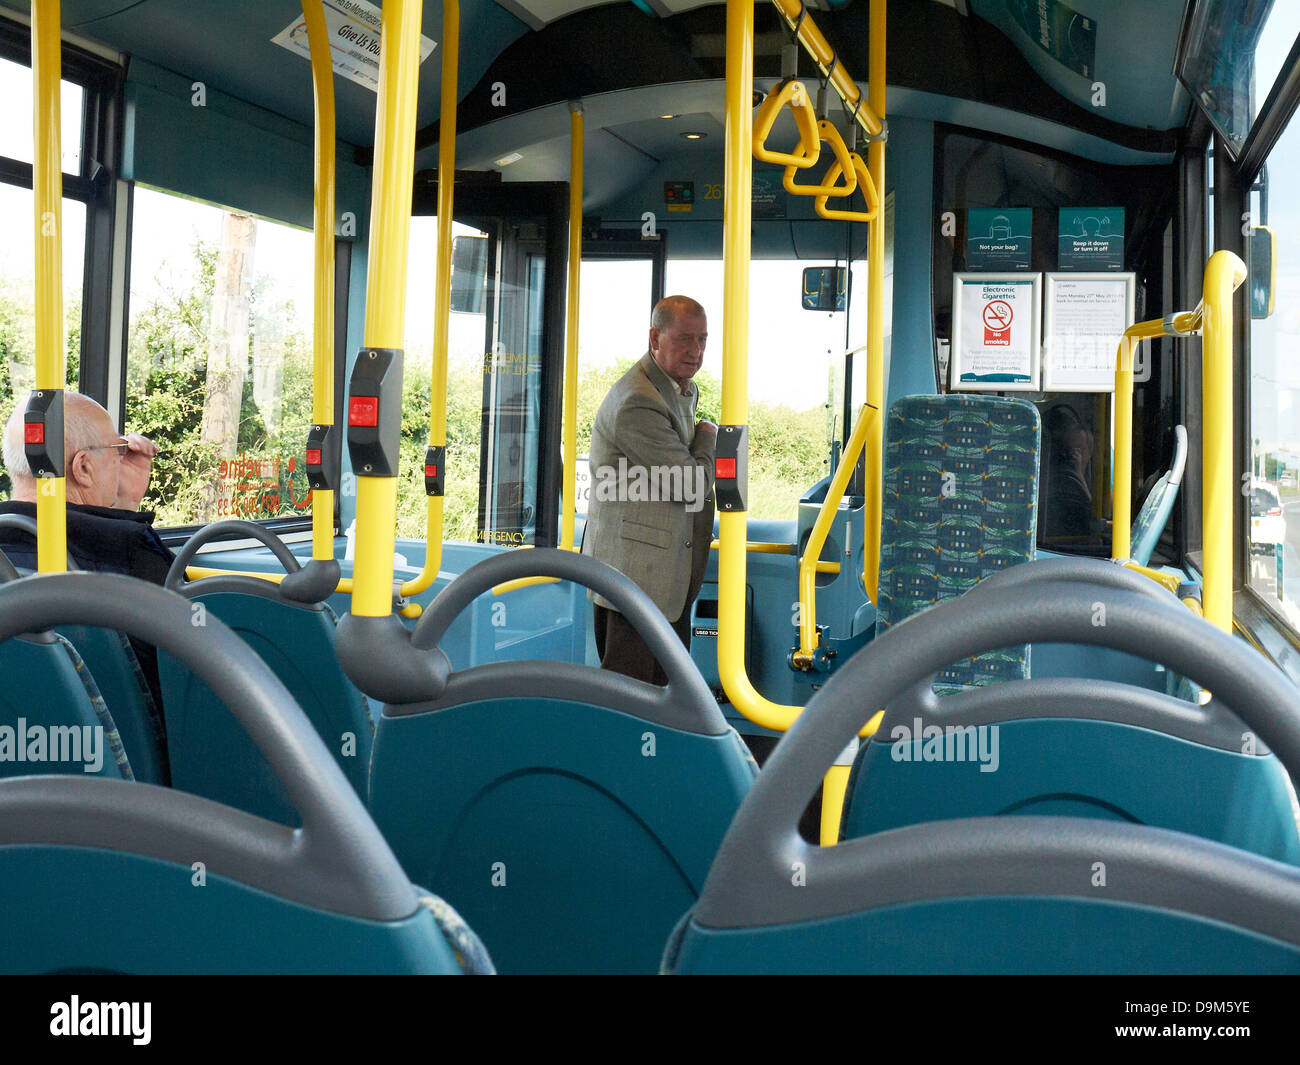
(1235, 51)
(219, 364)
(18, 300)
(465, 347)
(792, 355)
(1273, 535)
(16, 116)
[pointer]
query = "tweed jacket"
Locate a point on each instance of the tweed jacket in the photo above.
(651, 509)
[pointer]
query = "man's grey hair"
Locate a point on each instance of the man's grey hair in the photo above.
(670, 308)
(78, 433)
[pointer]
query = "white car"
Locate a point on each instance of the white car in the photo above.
(1267, 522)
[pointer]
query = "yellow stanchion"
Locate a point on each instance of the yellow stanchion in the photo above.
(390, 216)
(434, 505)
(322, 412)
(47, 199)
(576, 142)
(1212, 317)
(875, 444)
(803, 658)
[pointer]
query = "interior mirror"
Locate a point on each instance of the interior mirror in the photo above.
(468, 274)
(1262, 253)
(825, 288)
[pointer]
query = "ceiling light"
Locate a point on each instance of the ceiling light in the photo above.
(693, 136)
(667, 116)
(506, 160)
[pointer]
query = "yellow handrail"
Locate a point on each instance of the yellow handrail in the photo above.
(1212, 317)
(390, 217)
(47, 202)
(864, 183)
(866, 113)
(1224, 273)
(803, 657)
(322, 405)
(737, 187)
(344, 586)
(753, 547)
(434, 505)
(843, 166)
(808, 150)
(576, 144)
(874, 450)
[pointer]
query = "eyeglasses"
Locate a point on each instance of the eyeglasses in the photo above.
(121, 448)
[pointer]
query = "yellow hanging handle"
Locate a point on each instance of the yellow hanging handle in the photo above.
(843, 166)
(868, 187)
(794, 94)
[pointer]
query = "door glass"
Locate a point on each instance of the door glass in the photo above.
(613, 332)
(512, 383)
(465, 329)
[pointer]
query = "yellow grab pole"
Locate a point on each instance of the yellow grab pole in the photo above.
(47, 188)
(576, 141)
(733, 525)
(390, 217)
(322, 406)
(1121, 501)
(808, 564)
(1121, 507)
(875, 442)
(1223, 274)
(868, 112)
(449, 87)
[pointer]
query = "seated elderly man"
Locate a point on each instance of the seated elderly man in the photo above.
(106, 478)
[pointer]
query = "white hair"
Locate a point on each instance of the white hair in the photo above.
(78, 433)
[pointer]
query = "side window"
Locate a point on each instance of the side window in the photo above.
(1273, 532)
(17, 261)
(219, 362)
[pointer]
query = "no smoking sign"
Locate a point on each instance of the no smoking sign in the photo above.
(997, 316)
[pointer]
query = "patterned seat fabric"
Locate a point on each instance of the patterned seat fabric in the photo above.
(960, 503)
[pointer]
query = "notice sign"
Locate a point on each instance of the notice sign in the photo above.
(995, 332)
(355, 38)
(1090, 238)
(999, 238)
(1085, 318)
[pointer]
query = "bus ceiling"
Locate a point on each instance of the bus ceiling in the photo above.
(1086, 66)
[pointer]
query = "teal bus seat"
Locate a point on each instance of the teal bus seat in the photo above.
(209, 753)
(54, 720)
(1048, 892)
(112, 662)
(570, 813)
(960, 503)
(1083, 748)
(1159, 504)
(102, 875)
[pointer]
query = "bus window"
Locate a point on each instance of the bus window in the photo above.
(219, 363)
(16, 118)
(1273, 530)
(17, 303)
(465, 361)
(792, 355)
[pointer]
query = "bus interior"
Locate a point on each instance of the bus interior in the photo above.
(1046, 324)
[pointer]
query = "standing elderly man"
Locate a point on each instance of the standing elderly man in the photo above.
(651, 510)
(106, 478)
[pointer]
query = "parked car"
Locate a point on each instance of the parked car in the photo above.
(1267, 522)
